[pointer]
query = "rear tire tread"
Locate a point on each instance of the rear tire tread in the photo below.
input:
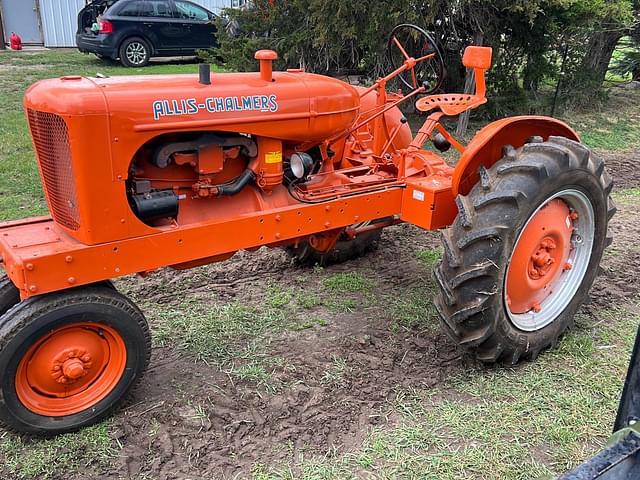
(344, 250)
(470, 303)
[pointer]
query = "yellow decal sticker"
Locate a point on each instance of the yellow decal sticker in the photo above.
(273, 157)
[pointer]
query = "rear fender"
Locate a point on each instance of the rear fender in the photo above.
(486, 147)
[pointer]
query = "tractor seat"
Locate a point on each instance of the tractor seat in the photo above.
(451, 104)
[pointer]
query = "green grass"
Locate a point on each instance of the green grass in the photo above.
(414, 309)
(429, 257)
(44, 459)
(503, 423)
(347, 282)
(213, 332)
(627, 194)
(614, 127)
(336, 373)
(278, 297)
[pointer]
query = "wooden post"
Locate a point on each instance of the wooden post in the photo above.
(2, 46)
(469, 87)
(463, 118)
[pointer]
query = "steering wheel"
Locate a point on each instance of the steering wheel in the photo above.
(410, 41)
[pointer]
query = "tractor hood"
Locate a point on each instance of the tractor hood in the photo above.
(294, 106)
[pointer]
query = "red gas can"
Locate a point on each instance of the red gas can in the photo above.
(15, 41)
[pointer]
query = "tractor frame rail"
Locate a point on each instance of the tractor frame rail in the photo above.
(40, 257)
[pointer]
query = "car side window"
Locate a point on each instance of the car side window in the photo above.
(156, 9)
(132, 9)
(188, 10)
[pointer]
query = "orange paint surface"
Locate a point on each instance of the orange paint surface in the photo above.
(95, 139)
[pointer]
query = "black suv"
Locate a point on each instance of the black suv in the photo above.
(136, 30)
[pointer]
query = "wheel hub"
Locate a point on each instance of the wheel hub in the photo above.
(70, 369)
(71, 365)
(549, 260)
(544, 245)
(542, 259)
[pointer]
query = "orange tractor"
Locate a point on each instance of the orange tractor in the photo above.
(142, 173)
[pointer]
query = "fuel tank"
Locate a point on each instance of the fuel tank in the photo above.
(294, 106)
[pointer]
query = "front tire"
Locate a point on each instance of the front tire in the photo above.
(69, 358)
(135, 52)
(524, 249)
(9, 294)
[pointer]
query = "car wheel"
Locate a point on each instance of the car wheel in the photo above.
(134, 52)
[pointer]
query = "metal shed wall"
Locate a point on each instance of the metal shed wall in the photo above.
(60, 21)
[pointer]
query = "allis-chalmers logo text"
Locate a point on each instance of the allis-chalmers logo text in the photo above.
(191, 106)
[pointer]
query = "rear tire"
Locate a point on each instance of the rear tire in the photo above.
(483, 244)
(68, 359)
(344, 250)
(135, 52)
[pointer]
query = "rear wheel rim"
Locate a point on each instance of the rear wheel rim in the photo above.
(549, 260)
(70, 369)
(136, 53)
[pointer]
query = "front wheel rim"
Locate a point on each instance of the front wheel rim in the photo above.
(70, 369)
(136, 53)
(549, 260)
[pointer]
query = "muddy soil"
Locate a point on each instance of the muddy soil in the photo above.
(623, 166)
(243, 424)
(189, 419)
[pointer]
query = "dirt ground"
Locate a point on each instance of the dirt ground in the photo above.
(189, 419)
(245, 425)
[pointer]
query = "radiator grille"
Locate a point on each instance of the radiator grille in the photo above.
(51, 140)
